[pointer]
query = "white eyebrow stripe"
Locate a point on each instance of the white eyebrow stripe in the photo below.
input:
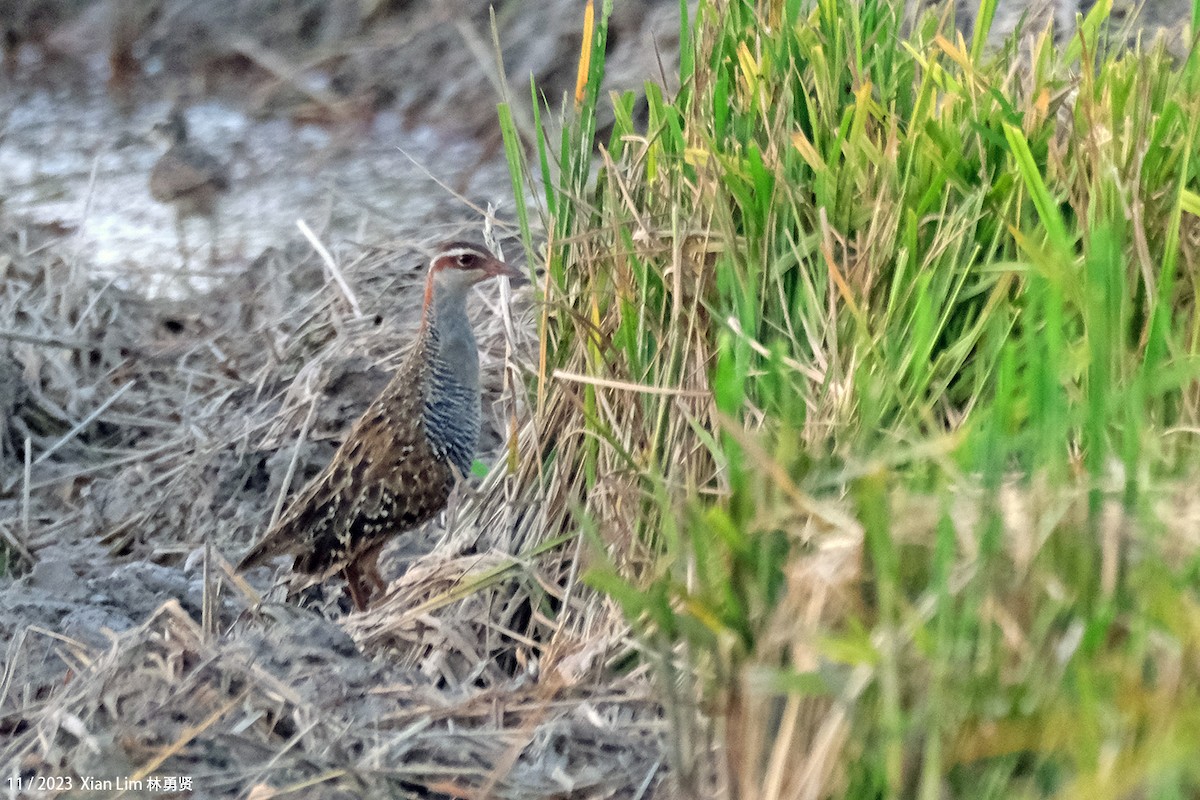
(456, 252)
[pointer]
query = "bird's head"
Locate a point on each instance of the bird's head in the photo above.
(461, 265)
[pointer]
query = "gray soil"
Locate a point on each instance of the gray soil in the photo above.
(154, 403)
(164, 399)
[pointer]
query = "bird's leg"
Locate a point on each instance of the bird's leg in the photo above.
(363, 578)
(212, 233)
(370, 569)
(359, 594)
(181, 239)
(11, 40)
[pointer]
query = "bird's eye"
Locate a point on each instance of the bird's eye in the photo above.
(466, 260)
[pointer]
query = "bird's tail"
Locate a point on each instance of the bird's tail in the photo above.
(270, 545)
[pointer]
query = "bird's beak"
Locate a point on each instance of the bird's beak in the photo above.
(499, 269)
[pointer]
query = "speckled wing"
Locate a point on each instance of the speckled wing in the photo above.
(399, 484)
(383, 480)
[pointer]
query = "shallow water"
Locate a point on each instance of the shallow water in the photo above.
(72, 160)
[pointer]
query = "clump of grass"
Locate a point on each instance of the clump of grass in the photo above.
(873, 361)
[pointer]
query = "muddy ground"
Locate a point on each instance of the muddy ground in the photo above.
(155, 401)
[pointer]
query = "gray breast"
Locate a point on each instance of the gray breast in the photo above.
(452, 417)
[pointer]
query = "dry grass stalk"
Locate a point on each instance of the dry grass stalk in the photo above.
(194, 451)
